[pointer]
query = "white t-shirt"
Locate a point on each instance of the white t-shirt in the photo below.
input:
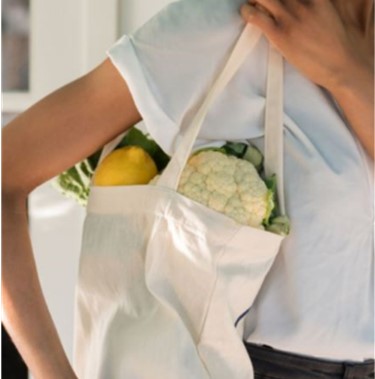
(318, 298)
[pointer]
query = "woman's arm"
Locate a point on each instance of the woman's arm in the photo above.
(332, 43)
(59, 131)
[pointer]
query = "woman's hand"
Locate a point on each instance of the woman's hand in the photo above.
(325, 39)
(332, 43)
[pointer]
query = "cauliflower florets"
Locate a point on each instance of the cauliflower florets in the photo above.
(228, 185)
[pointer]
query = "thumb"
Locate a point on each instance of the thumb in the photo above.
(261, 18)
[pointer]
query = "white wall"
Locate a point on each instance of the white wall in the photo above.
(67, 39)
(56, 222)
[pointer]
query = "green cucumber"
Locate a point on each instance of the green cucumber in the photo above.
(254, 156)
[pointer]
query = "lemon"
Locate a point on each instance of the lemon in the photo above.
(125, 166)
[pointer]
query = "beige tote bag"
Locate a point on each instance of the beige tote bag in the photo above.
(164, 282)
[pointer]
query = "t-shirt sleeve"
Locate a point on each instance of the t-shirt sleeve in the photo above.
(170, 62)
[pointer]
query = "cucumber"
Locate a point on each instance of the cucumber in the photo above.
(254, 156)
(279, 225)
(236, 149)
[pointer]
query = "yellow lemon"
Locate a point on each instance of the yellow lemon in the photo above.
(125, 166)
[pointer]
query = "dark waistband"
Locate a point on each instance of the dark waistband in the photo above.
(260, 354)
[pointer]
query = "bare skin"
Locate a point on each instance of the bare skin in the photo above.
(50, 137)
(78, 119)
(332, 43)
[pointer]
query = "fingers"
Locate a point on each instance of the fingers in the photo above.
(274, 7)
(298, 8)
(266, 14)
(283, 11)
(275, 16)
(259, 17)
(272, 17)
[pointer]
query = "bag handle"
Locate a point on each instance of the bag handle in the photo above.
(273, 134)
(244, 46)
(273, 127)
(170, 177)
(273, 155)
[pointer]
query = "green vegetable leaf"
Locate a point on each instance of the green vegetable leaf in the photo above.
(272, 210)
(270, 207)
(279, 225)
(238, 149)
(67, 184)
(276, 223)
(93, 160)
(271, 183)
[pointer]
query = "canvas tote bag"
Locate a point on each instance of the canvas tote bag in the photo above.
(164, 282)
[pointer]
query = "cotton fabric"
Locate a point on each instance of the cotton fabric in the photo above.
(162, 287)
(318, 298)
(158, 292)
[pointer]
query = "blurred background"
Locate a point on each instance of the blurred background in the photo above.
(46, 44)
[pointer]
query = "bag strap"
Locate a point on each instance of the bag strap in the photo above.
(273, 128)
(273, 155)
(245, 44)
(273, 134)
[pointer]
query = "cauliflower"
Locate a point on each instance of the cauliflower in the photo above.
(228, 185)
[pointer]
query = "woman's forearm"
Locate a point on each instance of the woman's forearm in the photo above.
(25, 313)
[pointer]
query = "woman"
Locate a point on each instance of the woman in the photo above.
(331, 43)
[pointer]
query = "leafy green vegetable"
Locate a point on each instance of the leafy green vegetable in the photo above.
(72, 184)
(276, 223)
(279, 225)
(93, 160)
(238, 149)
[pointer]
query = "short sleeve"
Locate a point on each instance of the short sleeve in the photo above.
(171, 61)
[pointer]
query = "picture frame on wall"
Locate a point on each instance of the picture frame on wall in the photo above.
(64, 40)
(15, 45)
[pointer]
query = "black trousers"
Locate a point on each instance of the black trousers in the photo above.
(275, 364)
